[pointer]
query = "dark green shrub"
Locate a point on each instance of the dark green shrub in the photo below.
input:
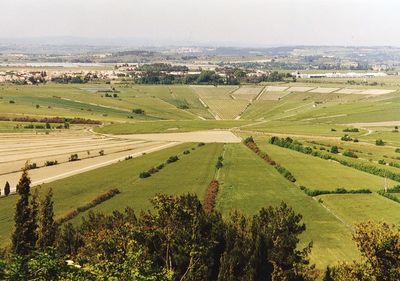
(172, 159)
(144, 175)
(349, 153)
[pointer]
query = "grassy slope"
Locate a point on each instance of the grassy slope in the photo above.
(70, 101)
(316, 173)
(77, 190)
(248, 184)
(356, 208)
(177, 178)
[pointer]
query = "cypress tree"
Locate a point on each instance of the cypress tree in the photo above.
(47, 226)
(24, 236)
(7, 189)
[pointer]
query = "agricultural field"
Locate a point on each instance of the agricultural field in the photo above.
(142, 126)
(316, 173)
(248, 184)
(356, 208)
(124, 175)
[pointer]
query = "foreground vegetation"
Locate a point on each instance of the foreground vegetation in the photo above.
(180, 240)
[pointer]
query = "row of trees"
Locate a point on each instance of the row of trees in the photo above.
(161, 74)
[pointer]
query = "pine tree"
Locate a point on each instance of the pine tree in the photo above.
(24, 236)
(47, 225)
(7, 189)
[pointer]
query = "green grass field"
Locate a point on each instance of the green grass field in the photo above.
(316, 173)
(356, 208)
(248, 184)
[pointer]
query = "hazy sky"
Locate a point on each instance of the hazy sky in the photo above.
(229, 22)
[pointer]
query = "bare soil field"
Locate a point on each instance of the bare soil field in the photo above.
(247, 93)
(349, 91)
(324, 90)
(275, 88)
(211, 136)
(300, 89)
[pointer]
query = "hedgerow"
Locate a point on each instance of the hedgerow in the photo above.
(316, 192)
(250, 143)
(211, 196)
(96, 201)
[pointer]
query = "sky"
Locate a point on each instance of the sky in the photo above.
(252, 23)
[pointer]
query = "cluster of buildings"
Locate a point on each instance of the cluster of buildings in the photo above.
(30, 77)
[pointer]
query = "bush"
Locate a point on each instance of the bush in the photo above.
(73, 157)
(101, 152)
(397, 150)
(201, 144)
(346, 138)
(351, 130)
(51, 163)
(382, 162)
(138, 111)
(152, 170)
(219, 164)
(31, 166)
(172, 159)
(334, 149)
(249, 140)
(349, 153)
(161, 166)
(379, 142)
(186, 152)
(144, 175)
(284, 172)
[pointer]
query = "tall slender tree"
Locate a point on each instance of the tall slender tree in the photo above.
(24, 236)
(47, 226)
(7, 189)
